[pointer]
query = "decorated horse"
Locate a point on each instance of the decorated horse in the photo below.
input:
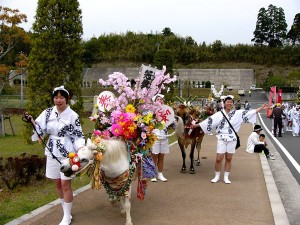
(110, 167)
(188, 135)
(118, 150)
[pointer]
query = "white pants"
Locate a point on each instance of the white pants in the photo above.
(53, 169)
(160, 146)
(226, 146)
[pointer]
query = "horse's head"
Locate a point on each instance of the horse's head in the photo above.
(79, 160)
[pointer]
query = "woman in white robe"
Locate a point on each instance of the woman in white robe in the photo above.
(63, 126)
(226, 137)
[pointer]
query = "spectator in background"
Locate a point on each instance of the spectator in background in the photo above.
(238, 105)
(219, 105)
(256, 143)
(277, 115)
(247, 105)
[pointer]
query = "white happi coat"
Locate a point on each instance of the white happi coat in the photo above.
(295, 114)
(65, 132)
(220, 124)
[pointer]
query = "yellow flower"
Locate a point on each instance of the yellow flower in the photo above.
(148, 117)
(130, 108)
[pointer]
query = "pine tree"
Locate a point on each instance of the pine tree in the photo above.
(56, 55)
(271, 27)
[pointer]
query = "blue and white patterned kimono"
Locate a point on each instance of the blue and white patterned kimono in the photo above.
(220, 124)
(64, 129)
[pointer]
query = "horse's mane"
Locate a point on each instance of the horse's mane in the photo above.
(114, 149)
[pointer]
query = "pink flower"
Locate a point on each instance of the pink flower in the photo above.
(97, 132)
(116, 129)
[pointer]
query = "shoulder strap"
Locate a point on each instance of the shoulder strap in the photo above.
(229, 124)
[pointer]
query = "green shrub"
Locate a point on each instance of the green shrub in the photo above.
(21, 170)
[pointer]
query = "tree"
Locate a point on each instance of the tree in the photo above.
(10, 32)
(167, 32)
(271, 27)
(56, 55)
(10, 35)
(261, 29)
(294, 33)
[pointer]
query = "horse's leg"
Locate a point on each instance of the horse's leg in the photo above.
(193, 145)
(183, 154)
(125, 208)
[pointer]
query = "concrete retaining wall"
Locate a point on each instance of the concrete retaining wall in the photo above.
(237, 78)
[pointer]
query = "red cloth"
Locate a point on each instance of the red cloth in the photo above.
(142, 185)
(279, 96)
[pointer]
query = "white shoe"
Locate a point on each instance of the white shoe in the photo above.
(65, 222)
(154, 179)
(226, 180)
(271, 154)
(271, 157)
(162, 178)
(215, 180)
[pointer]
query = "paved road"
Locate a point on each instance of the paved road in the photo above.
(186, 199)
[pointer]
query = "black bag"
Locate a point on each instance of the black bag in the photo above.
(238, 141)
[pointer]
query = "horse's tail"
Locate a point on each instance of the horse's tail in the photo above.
(179, 130)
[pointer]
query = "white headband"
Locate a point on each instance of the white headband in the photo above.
(156, 96)
(61, 88)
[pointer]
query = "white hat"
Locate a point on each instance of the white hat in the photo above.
(61, 88)
(155, 97)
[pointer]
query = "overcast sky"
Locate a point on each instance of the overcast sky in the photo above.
(231, 21)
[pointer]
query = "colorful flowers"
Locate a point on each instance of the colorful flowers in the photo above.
(131, 115)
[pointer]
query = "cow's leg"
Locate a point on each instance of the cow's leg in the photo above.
(193, 145)
(183, 154)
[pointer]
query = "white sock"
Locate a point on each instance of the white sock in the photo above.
(67, 213)
(217, 177)
(226, 180)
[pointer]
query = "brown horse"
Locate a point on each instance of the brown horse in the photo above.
(187, 136)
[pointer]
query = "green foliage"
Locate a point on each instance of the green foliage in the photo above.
(274, 80)
(55, 57)
(21, 170)
(142, 48)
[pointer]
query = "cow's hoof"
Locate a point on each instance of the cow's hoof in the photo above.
(192, 171)
(183, 170)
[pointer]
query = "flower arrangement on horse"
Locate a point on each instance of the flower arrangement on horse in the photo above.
(132, 115)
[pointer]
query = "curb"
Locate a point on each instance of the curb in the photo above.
(278, 210)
